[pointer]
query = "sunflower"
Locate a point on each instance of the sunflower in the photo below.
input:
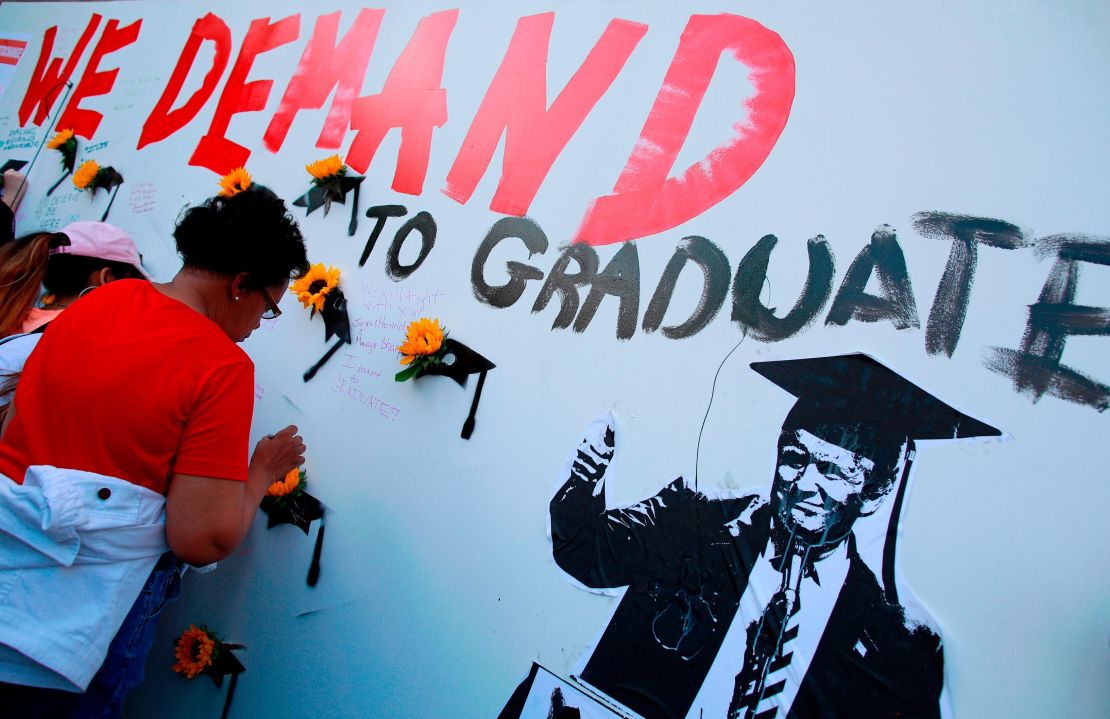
(424, 337)
(314, 286)
(85, 175)
(194, 651)
(60, 139)
(326, 168)
(234, 182)
(288, 485)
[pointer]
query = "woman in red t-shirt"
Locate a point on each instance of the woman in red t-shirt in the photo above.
(163, 399)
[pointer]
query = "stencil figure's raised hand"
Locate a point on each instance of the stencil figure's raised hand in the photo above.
(595, 452)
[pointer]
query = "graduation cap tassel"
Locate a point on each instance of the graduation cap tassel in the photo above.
(55, 185)
(890, 546)
(311, 371)
(112, 199)
(354, 212)
(314, 567)
(230, 695)
(468, 425)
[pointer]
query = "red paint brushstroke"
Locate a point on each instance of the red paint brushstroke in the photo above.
(325, 65)
(47, 81)
(516, 105)
(646, 200)
(163, 121)
(11, 51)
(214, 150)
(94, 82)
(412, 99)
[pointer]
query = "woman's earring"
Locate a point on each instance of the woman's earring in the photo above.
(236, 298)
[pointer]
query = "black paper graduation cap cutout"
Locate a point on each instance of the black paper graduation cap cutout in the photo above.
(337, 323)
(16, 165)
(323, 195)
(226, 664)
(110, 180)
(884, 410)
(458, 363)
(299, 509)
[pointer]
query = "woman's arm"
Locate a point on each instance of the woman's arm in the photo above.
(208, 517)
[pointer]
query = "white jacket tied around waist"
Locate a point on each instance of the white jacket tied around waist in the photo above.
(76, 549)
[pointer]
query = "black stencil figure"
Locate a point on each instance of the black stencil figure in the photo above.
(323, 196)
(545, 701)
(759, 606)
(559, 708)
(337, 323)
(459, 362)
(16, 165)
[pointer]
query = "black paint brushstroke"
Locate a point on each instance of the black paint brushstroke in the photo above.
(714, 266)
(423, 223)
(534, 239)
(1035, 368)
(620, 278)
(884, 257)
(567, 283)
(966, 233)
(760, 321)
(380, 213)
(1037, 376)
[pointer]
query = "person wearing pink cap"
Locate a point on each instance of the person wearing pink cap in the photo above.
(90, 254)
(83, 255)
(70, 263)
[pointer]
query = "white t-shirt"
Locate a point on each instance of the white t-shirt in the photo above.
(14, 351)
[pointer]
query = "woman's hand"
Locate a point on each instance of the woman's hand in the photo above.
(276, 454)
(15, 185)
(207, 518)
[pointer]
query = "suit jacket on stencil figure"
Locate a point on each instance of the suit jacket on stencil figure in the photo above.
(685, 559)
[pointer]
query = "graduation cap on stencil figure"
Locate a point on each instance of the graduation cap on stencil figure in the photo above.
(458, 363)
(855, 402)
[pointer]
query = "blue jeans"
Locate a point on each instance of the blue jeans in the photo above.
(122, 670)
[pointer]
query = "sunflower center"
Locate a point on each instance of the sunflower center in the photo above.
(316, 286)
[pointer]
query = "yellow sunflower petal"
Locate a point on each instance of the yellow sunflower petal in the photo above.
(234, 182)
(85, 174)
(61, 138)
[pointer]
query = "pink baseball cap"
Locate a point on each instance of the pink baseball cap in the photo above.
(101, 240)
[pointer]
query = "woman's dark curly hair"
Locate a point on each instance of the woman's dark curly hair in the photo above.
(250, 232)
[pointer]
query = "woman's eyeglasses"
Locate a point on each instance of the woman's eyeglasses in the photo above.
(272, 311)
